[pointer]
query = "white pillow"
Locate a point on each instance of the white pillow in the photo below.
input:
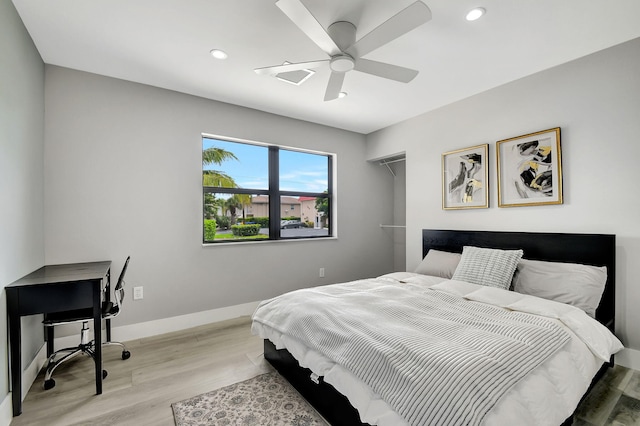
(490, 267)
(571, 283)
(439, 264)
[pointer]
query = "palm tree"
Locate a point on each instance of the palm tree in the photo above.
(214, 178)
(217, 156)
(235, 202)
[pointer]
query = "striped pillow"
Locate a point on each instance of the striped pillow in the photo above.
(490, 267)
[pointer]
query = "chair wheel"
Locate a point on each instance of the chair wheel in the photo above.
(104, 374)
(126, 354)
(49, 384)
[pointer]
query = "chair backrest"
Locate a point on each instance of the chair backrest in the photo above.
(118, 291)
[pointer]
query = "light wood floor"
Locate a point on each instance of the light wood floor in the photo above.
(139, 391)
(176, 366)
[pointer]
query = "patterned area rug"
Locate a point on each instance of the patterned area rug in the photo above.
(264, 400)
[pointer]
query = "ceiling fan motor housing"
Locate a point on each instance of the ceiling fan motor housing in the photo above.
(343, 33)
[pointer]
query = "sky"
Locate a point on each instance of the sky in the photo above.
(299, 171)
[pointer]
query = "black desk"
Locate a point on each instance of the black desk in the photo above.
(56, 288)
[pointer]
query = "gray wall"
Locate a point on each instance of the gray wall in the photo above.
(399, 215)
(21, 172)
(596, 102)
(123, 176)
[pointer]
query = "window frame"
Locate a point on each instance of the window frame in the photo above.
(273, 191)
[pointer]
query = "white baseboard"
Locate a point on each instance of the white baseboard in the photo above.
(629, 358)
(123, 334)
(182, 322)
(31, 372)
(28, 377)
(6, 410)
(168, 325)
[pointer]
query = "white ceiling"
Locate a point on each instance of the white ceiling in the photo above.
(166, 43)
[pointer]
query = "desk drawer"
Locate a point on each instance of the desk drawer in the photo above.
(61, 297)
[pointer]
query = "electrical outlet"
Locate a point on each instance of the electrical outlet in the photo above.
(321, 272)
(137, 293)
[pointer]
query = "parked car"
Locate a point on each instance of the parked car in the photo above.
(290, 224)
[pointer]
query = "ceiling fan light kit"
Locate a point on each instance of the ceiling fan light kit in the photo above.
(345, 53)
(341, 63)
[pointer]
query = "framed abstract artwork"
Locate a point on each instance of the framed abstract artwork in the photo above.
(465, 178)
(530, 169)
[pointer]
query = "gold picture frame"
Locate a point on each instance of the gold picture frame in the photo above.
(465, 178)
(530, 169)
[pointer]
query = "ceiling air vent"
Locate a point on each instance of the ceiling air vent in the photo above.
(295, 77)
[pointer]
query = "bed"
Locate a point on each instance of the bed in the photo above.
(317, 375)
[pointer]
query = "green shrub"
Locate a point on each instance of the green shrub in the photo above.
(263, 221)
(223, 222)
(209, 229)
(245, 230)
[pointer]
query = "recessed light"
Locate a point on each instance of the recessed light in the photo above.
(342, 95)
(219, 54)
(476, 13)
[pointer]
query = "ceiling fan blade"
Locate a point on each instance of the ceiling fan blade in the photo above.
(404, 21)
(277, 69)
(300, 15)
(334, 86)
(380, 69)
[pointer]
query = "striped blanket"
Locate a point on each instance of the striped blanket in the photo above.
(435, 358)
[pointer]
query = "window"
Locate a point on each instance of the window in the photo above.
(264, 192)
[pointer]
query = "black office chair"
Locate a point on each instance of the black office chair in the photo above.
(110, 310)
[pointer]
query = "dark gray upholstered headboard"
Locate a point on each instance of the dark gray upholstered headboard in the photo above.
(588, 249)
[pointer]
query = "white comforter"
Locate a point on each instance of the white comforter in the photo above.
(547, 396)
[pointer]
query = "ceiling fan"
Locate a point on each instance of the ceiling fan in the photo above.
(345, 53)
